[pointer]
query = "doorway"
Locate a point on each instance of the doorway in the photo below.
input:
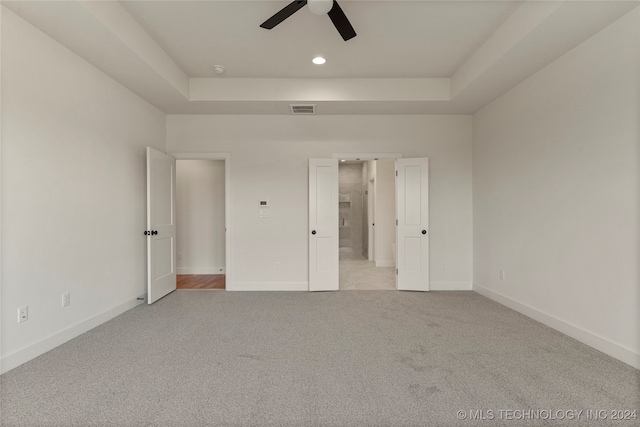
(201, 221)
(366, 209)
(409, 207)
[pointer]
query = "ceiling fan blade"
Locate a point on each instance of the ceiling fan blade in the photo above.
(283, 14)
(341, 22)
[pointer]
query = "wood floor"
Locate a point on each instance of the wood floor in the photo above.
(200, 281)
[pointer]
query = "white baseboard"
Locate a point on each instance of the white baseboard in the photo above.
(200, 270)
(304, 286)
(32, 351)
(450, 286)
(385, 263)
(268, 286)
(598, 342)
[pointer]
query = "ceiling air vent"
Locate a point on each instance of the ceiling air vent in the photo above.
(303, 108)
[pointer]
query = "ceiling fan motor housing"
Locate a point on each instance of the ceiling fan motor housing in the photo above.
(320, 7)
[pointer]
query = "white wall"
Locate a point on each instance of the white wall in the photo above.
(269, 158)
(200, 216)
(555, 193)
(385, 201)
(73, 192)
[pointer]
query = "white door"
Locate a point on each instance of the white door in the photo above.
(161, 225)
(323, 225)
(412, 192)
(371, 188)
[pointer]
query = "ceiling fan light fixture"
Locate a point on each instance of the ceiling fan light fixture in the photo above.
(328, 7)
(318, 60)
(320, 7)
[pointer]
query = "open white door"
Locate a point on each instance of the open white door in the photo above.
(161, 226)
(412, 192)
(323, 225)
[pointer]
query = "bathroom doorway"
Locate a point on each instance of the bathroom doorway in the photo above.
(405, 245)
(200, 224)
(366, 223)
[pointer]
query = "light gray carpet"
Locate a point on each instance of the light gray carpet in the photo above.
(365, 358)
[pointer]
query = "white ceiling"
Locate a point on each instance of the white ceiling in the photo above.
(409, 57)
(395, 38)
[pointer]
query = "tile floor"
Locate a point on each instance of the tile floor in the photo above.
(364, 275)
(357, 273)
(349, 253)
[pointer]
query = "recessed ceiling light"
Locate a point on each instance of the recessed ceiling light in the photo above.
(319, 60)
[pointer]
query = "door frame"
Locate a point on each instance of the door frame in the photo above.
(226, 157)
(367, 157)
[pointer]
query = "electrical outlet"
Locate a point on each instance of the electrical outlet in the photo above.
(23, 314)
(278, 265)
(66, 299)
(444, 265)
(180, 256)
(502, 275)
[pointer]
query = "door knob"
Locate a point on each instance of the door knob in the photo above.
(424, 231)
(154, 232)
(147, 233)
(313, 232)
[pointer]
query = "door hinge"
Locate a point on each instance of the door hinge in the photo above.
(396, 271)
(396, 222)
(396, 173)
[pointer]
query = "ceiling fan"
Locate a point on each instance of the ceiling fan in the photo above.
(318, 7)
